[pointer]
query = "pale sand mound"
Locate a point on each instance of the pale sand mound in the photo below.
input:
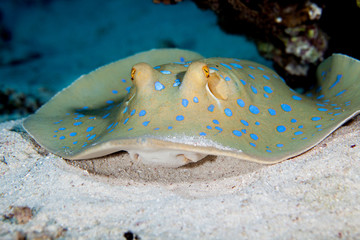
(313, 196)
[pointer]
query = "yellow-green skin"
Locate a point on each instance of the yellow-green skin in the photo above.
(159, 101)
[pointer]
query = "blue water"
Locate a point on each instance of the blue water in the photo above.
(70, 38)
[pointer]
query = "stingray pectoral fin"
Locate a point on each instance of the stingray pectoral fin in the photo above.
(90, 102)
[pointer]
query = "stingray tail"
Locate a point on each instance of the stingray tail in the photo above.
(338, 79)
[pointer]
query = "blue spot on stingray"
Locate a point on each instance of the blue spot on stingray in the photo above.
(179, 117)
(157, 67)
(196, 100)
(177, 83)
(340, 93)
(165, 72)
(243, 82)
(316, 118)
(322, 109)
(130, 129)
(337, 108)
(73, 134)
(108, 102)
(244, 122)
(320, 104)
(268, 89)
(123, 80)
(58, 122)
(236, 65)
(252, 144)
(142, 113)
(320, 97)
(106, 115)
(55, 136)
(228, 112)
(214, 68)
(237, 133)
(219, 128)
(132, 112)
(85, 107)
(286, 107)
(336, 114)
(126, 120)
(257, 123)
(266, 77)
(252, 76)
(125, 109)
(109, 107)
(254, 89)
(240, 102)
(253, 109)
(251, 67)
(170, 127)
(145, 123)
(227, 66)
(338, 77)
(318, 126)
(114, 91)
(260, 68)
(301, 126)
(75, 142)
(215, 121)
(211, 108)
(227, 79)
(92, 137)
(265, 95)
(298, 133)
(110, 126)
(269, 151)
(62, 129)
(208, 127)
(185, 102)
(243, 130)
(254, 136)
(296, 97)
(62, 137)
(202, 134)
(128, 89)
(272, 111)
(159, 86)
(84, 145)
(281, 128)
(92, 117)
(77, 123)
(155, 129)
(279, 145)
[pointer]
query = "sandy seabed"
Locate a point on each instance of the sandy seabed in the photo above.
(313, 196)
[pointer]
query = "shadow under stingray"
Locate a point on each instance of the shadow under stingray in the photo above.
(119, 165)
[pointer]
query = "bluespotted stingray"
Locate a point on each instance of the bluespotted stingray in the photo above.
(170, 107)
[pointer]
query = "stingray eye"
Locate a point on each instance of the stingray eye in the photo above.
(133, 70)
(206, 71)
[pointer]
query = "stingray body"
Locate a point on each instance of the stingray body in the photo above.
(170, 107)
